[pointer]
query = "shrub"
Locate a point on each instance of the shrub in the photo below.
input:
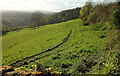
(31, 26)
(85, 10)
(93, 16)
(5, 29)
(115, 19)
(113, 38)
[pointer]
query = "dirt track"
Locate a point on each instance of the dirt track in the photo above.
(27, 58)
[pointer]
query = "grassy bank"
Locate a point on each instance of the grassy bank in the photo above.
(84, 46)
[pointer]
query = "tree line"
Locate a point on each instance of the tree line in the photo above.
(39, 20)
(92, 13)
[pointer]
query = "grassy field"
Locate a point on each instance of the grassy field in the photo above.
(85, 42)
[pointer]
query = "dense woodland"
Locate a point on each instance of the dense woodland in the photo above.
(62, 16)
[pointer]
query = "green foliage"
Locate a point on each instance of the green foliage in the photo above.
(62, 16)
(85, 10)
(98, 13)
(115, 19)
(4, 29)
(92, 17)
(108, 64)
(31, 25)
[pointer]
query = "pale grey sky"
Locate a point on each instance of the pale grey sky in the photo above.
(49, 5)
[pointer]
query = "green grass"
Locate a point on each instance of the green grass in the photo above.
(83, 41)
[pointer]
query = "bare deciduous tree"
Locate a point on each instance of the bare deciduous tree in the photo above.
(36, 18)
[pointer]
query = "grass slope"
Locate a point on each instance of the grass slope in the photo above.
(84, 41)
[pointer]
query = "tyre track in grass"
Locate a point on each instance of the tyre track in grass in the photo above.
(27, 58)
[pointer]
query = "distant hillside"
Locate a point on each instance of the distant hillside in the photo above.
(62, 16)
(18, 18)
(22, 18)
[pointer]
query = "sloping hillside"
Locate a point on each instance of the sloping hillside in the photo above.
(84, 46)
(19, 18)
(87, 45)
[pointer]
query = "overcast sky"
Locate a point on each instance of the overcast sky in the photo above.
(49, 5)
